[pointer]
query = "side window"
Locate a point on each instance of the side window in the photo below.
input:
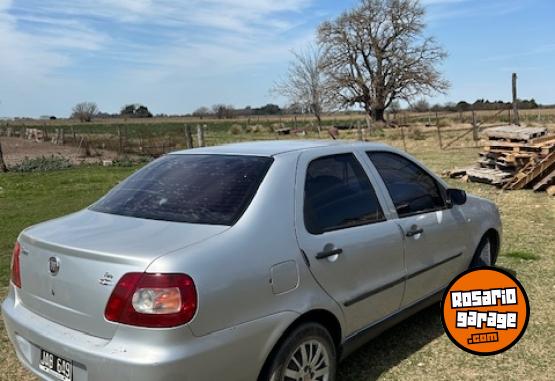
(338, 195)
(411, 188)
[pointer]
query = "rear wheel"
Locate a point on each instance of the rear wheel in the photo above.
(307, 354)
(485, 254)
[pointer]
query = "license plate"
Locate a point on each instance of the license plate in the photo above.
(56, 366)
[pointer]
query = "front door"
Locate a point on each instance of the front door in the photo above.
(355, 253)
(435, 238)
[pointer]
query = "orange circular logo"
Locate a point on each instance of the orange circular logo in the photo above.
(485, 311)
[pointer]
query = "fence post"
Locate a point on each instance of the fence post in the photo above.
(125, 139)
(474, 127)
(200, 135)
(403, 136)
(120, 149)
(359, 132)
(439, 136)
(475, 135)
(188, 137)
(73, 133)
(61, 141)
(3, 167)
(516, 119)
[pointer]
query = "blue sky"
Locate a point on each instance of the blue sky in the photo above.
(177, 55)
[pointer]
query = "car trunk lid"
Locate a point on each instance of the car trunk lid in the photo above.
(93, 250)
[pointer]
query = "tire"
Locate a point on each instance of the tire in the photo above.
(307, 353)
(485, 254)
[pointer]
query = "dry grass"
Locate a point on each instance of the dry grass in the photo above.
(417, 349)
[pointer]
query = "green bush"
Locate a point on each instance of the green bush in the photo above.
(254, 129)
(42, 164)
(235, 129)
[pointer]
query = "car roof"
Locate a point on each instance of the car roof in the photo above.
(276, 147)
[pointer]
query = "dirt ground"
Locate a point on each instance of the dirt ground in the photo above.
(17, 149)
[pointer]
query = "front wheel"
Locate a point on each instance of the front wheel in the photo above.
(307, 354)
(484, 255)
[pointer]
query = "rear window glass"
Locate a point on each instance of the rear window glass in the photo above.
(203, 189)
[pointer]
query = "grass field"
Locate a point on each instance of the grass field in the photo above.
(417, 349)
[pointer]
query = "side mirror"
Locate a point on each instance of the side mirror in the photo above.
(456, 196)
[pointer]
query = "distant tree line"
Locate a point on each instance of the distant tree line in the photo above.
(480, 104)
(87, 111)
(223, 111)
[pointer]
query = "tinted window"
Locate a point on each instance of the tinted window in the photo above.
(338, 195)
(204, 189)
(411, 188)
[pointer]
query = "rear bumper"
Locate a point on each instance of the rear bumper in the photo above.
(236, 353)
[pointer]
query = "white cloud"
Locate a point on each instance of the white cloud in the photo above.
(50, 45)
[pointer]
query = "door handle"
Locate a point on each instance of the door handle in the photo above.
(414, 231)
(328, 253)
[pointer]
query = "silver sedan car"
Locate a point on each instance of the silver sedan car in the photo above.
(254, 261)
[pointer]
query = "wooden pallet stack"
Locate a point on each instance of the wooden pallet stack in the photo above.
(515, 157)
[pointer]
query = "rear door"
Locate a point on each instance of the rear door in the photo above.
(434, 233)
(355, 253)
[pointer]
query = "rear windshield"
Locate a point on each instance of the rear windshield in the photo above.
(202, 189)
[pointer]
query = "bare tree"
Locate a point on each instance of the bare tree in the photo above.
(202, 112)
(306, 83)
(377, 53)
(223, 111)
(85, 111)
(421, 105)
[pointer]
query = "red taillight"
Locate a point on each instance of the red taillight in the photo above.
(153, 300)
(16, 269)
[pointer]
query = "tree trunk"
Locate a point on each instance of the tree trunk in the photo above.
(378, 114)
(3, 167)
(319, 121)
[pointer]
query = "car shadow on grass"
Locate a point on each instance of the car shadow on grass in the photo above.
(393, 346)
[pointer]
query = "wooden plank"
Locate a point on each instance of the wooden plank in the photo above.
(548, 180)
(499, 143)
(488, 176)
(499, 147)
(542, 139)
(457, 172)
(530, 172)
(515, 132)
